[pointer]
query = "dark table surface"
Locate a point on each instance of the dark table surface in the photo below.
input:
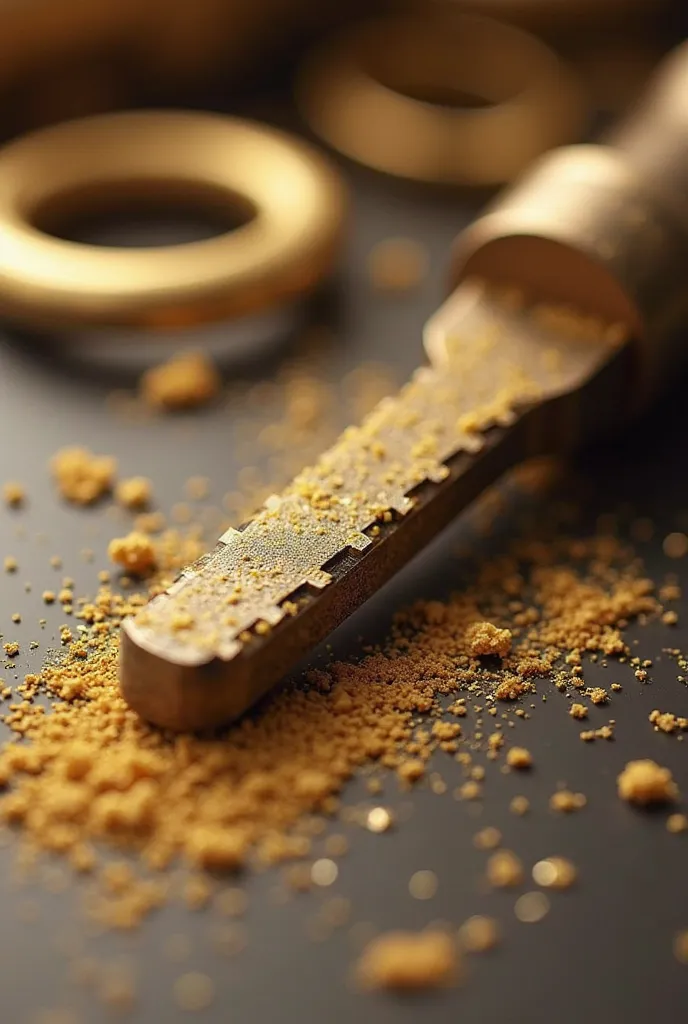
(604, 952)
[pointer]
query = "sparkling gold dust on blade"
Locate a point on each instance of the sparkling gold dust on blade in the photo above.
(347, 523)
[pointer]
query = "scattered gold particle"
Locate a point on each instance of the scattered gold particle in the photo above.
(504, 869)
(183, 382)
(379, 819)
(11, 648)
(677, 823)
(13, 494)
(645, 782)
(483, 638)
(117, 987)
(555, 873)
(81, 476)
(298, 877)
(423, 885)
(411, 770)
(487, 839)
(531, 907)
(409, 960)
(681, 946)
(675, 545)
(397, 264)
(193, 991)
(134, 493)
(215, 848)
(135, 553)
(49, 596)
(197, 488)
(519, 757)
(566, 802)
(598, 695)
(519, 805)
(665, 721)
(670, 618)
(479, 934)
(468, 791)
(578, 711)
(324, 872)
(11, 564)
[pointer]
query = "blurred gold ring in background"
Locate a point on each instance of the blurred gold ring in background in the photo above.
(539, 15)
(292, 201)
(379, 94)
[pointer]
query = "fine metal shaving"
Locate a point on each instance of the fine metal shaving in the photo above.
(235, 621)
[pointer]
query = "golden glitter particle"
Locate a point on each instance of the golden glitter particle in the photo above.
(468, 791)
(134, 493)
(675, 545)
(135, 553)
(379, 819)
(681, 946)
(665, 721)
(677, 823)
(117, 987)
(82, 477)
(408, 961)
(324, 872)
(519, 805)
(479, 934)
(566, 802)
(13, 494)
(555, 873)
(423, 885)
(484, 638)
(520, 758)
(531, 907)
(578, 711)
(397, 264)
(197, 488)
(185, 381)
(645, 782)
(504, 869)
(487, 839)
(411, 770)
(193, 991)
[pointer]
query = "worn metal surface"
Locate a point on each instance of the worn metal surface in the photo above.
(233, 624)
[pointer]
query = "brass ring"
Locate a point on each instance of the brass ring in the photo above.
(538, 15)
(370, 95)
(295, 198)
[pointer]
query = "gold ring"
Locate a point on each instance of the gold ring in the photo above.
(293, 199)
(539, 15)
(379, 95)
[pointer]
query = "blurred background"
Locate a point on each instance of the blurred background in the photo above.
(65, 58)
(546, 72)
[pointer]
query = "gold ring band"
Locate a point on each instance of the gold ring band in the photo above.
(293, 195)
(539, 15)
(370, 95)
